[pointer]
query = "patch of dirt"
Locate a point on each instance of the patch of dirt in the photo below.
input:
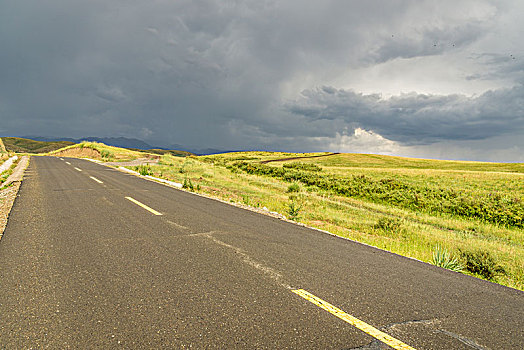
(153, 156)
(79, 153)
(317, 223)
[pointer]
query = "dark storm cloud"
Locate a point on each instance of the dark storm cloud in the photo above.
(428, 41)
(418, 118)
(213, 73)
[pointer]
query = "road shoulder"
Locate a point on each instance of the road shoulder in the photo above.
(9, 192)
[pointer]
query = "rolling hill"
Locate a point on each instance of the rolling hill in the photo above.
(22, 145)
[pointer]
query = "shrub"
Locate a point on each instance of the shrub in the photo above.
(106, 154)
(388, 225)
(293, 210)
(187, 162)
(294, 187)
(188, 184)
(442, 258)
(480, 262)
(302, 166)
(144, 169)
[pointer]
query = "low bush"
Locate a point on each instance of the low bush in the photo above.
(302, 166)
(480, 262)
(246, 200)
(293, 210)
(188, 184)
(293, 188)
(388, 225)
(144, 169)
(106, 154)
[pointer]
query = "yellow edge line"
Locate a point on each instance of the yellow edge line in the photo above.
(363, 326)
(144, 206)
(94, 178)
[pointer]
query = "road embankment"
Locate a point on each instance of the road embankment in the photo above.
(9, 191)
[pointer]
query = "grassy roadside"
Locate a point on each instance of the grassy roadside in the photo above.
(2, 148)
(487, 249)
(4, 157)
(5, 175)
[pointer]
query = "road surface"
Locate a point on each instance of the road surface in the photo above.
(96, 258)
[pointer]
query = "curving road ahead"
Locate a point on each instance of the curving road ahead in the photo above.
(95, 258)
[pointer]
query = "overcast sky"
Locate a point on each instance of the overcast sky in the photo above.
(437, 79)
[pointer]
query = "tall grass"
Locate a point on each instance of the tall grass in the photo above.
(144, 169)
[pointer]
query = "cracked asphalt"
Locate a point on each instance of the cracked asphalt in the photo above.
(83, 267)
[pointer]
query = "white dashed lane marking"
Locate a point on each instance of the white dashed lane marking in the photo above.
(94, 178)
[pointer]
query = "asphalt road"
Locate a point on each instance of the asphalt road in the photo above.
(82, 266)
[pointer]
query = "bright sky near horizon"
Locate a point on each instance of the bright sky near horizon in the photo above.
(435, 79)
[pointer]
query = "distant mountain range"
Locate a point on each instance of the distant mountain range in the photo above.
(126, 142)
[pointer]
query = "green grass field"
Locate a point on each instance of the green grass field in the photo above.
(356, 160)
